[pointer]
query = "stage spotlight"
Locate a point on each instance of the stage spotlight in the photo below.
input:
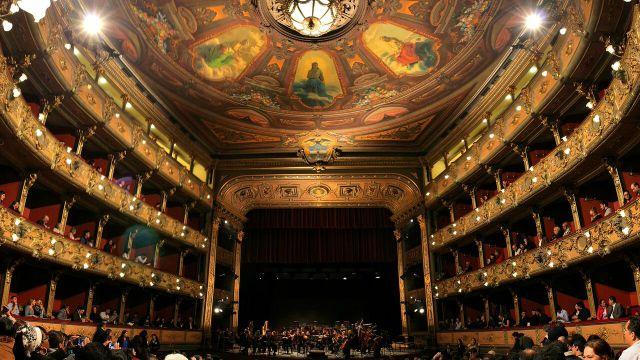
(92, 24)
(533, 21)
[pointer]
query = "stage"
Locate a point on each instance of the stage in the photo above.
(386, 354)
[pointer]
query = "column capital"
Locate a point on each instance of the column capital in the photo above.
(240, 236)
(397, 234)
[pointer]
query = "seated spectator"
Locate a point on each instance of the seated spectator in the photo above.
(632, 338)
(29, 308)
(562, 315)
(594, 215)
(59, 229)
(557, 233)
(86, 239)
(626, 197)
(581, 313)
(44, 222)
(635, 189)
(600, 350)
(72, 234)
(78, 315)
(94, 316)
(142, 259)
(123, 340)
(64, 313)
(12, 307)
(576, 345)
(458, 325)
(154, 344)
(615, 310)
(605, 208)
(566, 228)
(466, 268)
(109, 247)
(15, 207)
(602, 313)
(498, 256)
(504, 321)
(38, 309)
(524, 320)
(3, 196)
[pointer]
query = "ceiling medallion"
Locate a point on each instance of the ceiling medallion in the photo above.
(312, 20)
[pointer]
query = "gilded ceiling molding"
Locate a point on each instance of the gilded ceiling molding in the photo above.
(395, 192)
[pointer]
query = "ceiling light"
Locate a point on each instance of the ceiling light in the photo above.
(533, 21)
(92, 24)
(317, 17)
(563, 30)
(37, 8)
(7, 25)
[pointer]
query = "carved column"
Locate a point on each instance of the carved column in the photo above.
(176, 311)
(51, 292)
(554, 127)
(209, 301)
(183, 253)
(101, 224)
(461, 313)
(516, 305)
(588, 285)
(140, 179)
(152, 307)
(480, 252)
(130, 239)
(426, 270)
(113, 160)
(187, 209)
(614, 171)
(236, 283)
(165, 197)
(456, 260)
(449, 206)
(471, 191)
(496, 173)
(82, 136)
(403, 306)
(27, 183)
(123, 305)
(538, 221)
(486, 307)
(523, 151)
(551, 295)
(6, 282)
(64, 215)
(506, 232)
(156, 253)
(570, 195)
(90, 294)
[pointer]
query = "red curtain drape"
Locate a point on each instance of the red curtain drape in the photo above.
(319, 236)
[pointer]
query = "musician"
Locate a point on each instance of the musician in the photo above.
(348, 344)
(265, 328)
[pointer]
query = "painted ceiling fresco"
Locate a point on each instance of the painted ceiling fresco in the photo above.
(405, 65)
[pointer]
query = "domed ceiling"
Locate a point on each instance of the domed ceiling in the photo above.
(385, 78)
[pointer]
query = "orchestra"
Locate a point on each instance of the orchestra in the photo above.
(339, 339)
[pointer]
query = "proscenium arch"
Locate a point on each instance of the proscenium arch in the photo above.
(397, 192)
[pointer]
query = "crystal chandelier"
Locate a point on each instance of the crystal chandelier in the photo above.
(37, 8)
(313, 18)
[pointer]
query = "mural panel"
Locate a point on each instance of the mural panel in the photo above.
(227, 55)
(316, 82)
(401, 51)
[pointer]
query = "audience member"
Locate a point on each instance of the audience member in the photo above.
(614, 310)
(561, 314)
(44, 222)
(566, 228)
(594, 215)
(581, 313)
(29, 308)
(602, 313)
(78, 315)
(635, 189)
(64, 313)
(15, 207)
(12, 307)
(598, 350)
(86, 238)
(632, 338)
(109, 247)
(72, 233)
(606, 209)
(38, 308)
(626, 197)
(59, 229)
(123, 340)
(557, 234)
(3, 196)
(576, 345)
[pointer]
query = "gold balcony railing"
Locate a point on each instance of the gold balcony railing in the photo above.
(18, 233)
(17, 115)
(74, 76)
(560, 62)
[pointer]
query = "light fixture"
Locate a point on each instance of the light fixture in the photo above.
(315, 18)
(610, 49)
(7, 25)
(615, 66)
(92, 24)
(533, 21)
(37, 8)
(533, 69)
(563, 30)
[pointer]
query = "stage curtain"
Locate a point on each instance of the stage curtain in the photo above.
(314, 236)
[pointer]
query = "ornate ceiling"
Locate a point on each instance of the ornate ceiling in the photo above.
(385, 81)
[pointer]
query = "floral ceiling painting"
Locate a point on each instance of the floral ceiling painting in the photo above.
(215, 60)
(402, 51)
(227, 55)
(316, 82)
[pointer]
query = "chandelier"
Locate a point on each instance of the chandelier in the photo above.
(313, 18)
